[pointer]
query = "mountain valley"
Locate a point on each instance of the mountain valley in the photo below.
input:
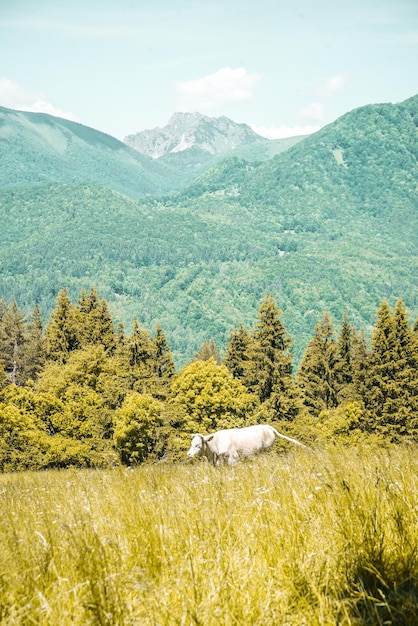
(193, 239)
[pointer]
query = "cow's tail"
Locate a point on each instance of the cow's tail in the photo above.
(298, 443)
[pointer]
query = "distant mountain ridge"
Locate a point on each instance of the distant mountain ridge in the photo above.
(37, 148)
(192, 143)
(214, 135)
(329, 223)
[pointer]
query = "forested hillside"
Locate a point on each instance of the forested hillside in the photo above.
(331, 223)
(36, 148)
(84, 391)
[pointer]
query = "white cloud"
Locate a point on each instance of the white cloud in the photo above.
(14, 96)
(281, 132)
(225, 85)
(313, 111)
(334, 84)
(41, 106)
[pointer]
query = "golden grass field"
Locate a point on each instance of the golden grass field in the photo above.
(325, 537)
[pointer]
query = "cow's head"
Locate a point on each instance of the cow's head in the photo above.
(198, 444)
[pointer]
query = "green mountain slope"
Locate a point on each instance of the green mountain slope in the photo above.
(191, 143)
(36, 148)
(367, 159)
(331, 224)
(152, 262)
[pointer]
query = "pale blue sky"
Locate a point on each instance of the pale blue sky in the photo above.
(125, 65)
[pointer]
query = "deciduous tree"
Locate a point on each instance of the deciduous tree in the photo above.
(211, 398)
(137, 428)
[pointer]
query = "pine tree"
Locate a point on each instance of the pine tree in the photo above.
(345, 351)
(62, 331)
(238, 353)
(142, 355)
(391, 395)
(34, 347)
(163, 364)
(208, 350)
(269, 371)
(87, 302)
(270, 358)
(352, 357)
(120, 337)
(95, 325)
(359, 365)
(12, 338)
(380, 372)
(318, 374)
(141, 347)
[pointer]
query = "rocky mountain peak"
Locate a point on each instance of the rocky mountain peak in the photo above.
(214, 135)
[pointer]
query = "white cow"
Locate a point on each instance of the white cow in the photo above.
(234, 443)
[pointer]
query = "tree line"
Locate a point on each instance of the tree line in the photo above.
(81, 391)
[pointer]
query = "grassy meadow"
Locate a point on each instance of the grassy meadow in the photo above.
(323, 537)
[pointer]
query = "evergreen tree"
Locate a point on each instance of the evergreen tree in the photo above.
(318, 374)
(352, 361)
(142, 357)
(359, 365)
(141, 347)
(380, 372)
(143, 363)
(95, 326)
(414, 336)
(34, 347)
(87, 302)
(163, 355)
(62, 331)
(163, 364)
(345, 351)
(208, 350)
(12, 338)
(391, 395)
(120, 337)
(268, 364)
(238, 353)
(270, 357)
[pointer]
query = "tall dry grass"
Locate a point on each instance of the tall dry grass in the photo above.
(323, 537)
